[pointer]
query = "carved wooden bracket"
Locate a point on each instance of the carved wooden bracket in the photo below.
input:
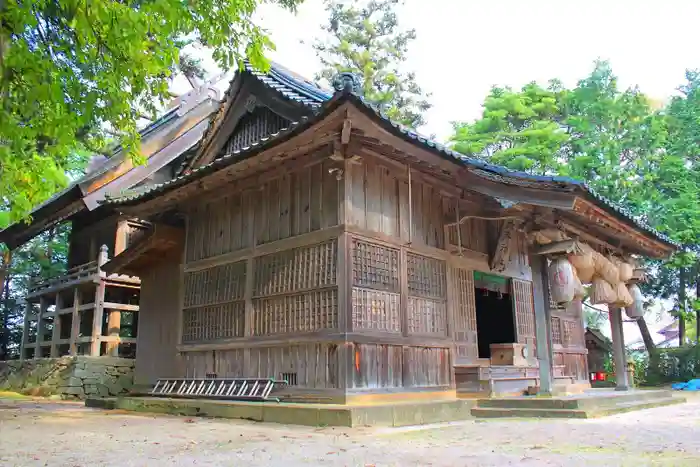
(501, 253)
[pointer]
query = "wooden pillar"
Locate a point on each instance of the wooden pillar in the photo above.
(75, 323)
(543, 320)
(40, 327)
(98, 311)
(618, 343)
(114, 320)
(56, 334)
(25, 331)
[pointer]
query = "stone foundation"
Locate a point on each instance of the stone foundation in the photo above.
(68, 377)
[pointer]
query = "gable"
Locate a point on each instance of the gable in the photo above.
(253, 126)
(256, 105)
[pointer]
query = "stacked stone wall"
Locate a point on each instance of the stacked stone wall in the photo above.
(68, 377)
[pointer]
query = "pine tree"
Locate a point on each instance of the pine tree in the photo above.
(367, 40)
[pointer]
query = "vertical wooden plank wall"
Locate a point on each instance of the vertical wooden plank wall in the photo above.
(158, 337)
(408, 299)
(290, 292)
(568, 341)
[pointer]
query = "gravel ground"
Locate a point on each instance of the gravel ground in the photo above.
(58, 434)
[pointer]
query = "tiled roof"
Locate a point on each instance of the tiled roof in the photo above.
(291, 85)
(287, 84)
(479, 167)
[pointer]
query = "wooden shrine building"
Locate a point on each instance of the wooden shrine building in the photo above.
(354, 258)
(80, 312)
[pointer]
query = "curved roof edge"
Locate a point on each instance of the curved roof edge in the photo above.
(481, 168)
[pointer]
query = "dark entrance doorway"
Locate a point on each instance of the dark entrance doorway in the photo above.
(495, 323)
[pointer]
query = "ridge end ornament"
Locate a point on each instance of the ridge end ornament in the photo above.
(347, 82)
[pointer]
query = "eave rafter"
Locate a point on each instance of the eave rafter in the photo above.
(603, 220)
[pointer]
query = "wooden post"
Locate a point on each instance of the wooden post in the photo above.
(25, 331)
(543, 321)
(56, 335)
(40, 327)
(98, 311)
(114, 320)
(618, 343)
(75, 322)
(403, 289)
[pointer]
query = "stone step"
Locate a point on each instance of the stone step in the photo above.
(501, 412)
(631, 406)
(533, 402)
(562, 408)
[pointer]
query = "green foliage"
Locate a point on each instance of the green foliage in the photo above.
(673, 365)
(594, 319)
(518, 129)
(70, 70)
(645, 159)
(366, 40)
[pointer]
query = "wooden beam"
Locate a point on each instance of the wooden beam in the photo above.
(56, 334)
(98, 312)
(543, 319)
(563, 247)
(120, 306)
(501, 251)
(114, 320)
(618, 341)
(75, 322)
(25, 331)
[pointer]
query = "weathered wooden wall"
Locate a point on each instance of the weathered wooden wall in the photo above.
(261, 281)
(278, 274)
(568, 340)
(159, 319)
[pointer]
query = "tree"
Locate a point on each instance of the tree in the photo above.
(70, 70)
(518, 129)
(644, 159)
(366, 40)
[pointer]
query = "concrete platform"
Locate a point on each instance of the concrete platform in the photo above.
(395, 414)
(590, 404)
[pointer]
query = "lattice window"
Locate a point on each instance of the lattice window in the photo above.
(301, 268)
(556, 331)
(375, 310)
(465, 333)
(252, 127)
(219, 284)
(305, 312)
(524, 310)
(427, 316)
(464, 288)
(426, 276)
(375, 266)
(213, 322)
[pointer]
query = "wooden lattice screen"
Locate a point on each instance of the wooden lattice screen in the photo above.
(465, 332)
(427, 295)
(375, 292)
(213, 303)
(556, 330)
(253, 126)
(524, 313)
(296, 290)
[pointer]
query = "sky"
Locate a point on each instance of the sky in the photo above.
(463, 47)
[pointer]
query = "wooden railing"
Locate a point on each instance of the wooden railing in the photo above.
(75, 274)
(81, 273)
